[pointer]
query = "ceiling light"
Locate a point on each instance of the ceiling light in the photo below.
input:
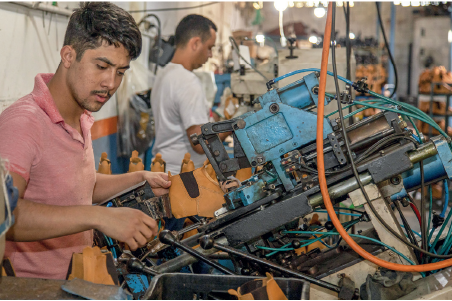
(396, 2)
(291, 4)
(405, 3)
(309, 3)
(313, 39)
(415, 3)
(351, 3)
(299, 4)
(316, 3)
(256, 5)
(319, 12)
(281, 5)
(260, 38)
(449, 36)
(325, 3)
(339, 3)
(351, 36)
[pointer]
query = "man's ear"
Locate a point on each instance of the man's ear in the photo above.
(195, 43)
(68, 56)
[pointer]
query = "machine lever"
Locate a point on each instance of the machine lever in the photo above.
(206, 242)
(168, 238)
(136, 266)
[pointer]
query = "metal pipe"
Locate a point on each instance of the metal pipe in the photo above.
(185, 259)
(340, 189)
(425, 151)
(207, 242)
(45, 7)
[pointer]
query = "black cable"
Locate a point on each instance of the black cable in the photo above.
(408, 229)
(348, 48)
(424, 234)
(396, 80)
(352, 163)
(170, 9)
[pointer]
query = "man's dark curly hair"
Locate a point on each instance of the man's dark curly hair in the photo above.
(97, 22)
(193, 26)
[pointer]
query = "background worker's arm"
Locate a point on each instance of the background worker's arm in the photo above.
(196, 129)
(109, 185)
(34, 221)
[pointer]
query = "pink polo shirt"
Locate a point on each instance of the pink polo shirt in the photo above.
(58, 165)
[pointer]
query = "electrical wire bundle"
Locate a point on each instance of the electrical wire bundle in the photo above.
(407, 111)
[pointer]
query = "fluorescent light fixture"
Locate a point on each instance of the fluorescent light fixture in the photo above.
(351, 36)
(260, 38)
(313, 39)
(319, 12)
(281, 5)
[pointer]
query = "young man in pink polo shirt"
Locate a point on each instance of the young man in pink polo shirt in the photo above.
(46, 138)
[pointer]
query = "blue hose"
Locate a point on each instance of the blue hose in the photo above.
(446, 199)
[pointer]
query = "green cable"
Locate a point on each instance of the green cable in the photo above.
(415, 128)
(436, 126)
(413, 109)
(418, 114)
(449, 215)
(284, 248)
(357, 236)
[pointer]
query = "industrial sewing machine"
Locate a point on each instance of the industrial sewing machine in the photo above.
(279, 141)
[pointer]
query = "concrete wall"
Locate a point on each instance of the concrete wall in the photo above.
(31, 42)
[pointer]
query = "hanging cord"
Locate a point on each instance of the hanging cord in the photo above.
(389, 51)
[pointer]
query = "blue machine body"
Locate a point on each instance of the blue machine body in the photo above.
(270, 133)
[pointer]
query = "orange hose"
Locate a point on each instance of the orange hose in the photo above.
(322, 178)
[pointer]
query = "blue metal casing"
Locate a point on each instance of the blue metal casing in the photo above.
(270, 134)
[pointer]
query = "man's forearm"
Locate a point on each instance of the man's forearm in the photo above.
(109, 185)
(34, 221)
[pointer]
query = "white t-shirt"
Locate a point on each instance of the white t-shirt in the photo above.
(178, 102)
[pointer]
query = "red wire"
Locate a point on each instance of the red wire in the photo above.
(418, 215)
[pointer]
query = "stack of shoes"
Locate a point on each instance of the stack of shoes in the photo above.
(438, 75)
(104, 165)
(136, 164)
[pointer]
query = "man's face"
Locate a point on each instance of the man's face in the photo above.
(97, 76)
(204, 51)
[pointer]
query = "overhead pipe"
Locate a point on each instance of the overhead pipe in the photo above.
(45, 7)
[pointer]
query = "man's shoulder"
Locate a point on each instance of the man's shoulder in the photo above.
(24, 110)
(177, 74)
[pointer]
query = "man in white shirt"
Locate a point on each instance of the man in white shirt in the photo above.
(178, 101)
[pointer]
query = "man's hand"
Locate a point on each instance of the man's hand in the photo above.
(158, 181)
(128, 225)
